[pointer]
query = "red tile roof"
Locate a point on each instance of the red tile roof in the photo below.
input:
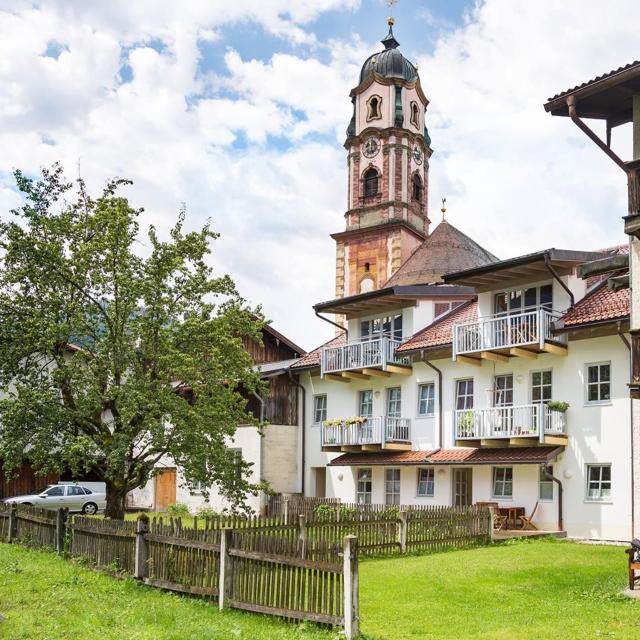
(461, 455)
(312, 359)
(599, 305)
(440, 332)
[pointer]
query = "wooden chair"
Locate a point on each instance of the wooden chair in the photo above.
(526, 521)
(499, 521)
(634, 564)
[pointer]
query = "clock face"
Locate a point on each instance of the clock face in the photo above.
(417, 154)
(371, 147)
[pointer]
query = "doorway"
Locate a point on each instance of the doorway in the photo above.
(165, 489)
(462, 483)
(319, 481)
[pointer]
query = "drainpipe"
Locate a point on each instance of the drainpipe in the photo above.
(559, 483)
(303, 457)
(260, 399)
(633, 506)
(440, 408)
(335, 324)
(554, 273)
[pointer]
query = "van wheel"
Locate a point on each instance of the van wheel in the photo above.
(90, 508)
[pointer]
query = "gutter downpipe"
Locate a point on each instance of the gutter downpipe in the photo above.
(440, 408)
(335, 324)
(554, 273)
(303, 457)
(260, 399)
(559, 483)
(633, 508)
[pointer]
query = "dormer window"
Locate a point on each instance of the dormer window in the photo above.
(415, 115)
(370, 182)
(416, 187)
(374, 108)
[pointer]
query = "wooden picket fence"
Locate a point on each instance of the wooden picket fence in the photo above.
(106, 543)
(4, 521)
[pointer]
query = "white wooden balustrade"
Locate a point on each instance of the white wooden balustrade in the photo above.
(533, 327)
(376, 353)
(378, 430)
(523, 421)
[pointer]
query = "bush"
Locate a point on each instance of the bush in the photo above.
(178, 509)
(206, 512)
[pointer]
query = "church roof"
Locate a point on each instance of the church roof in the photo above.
(389, 63)
(446, 250)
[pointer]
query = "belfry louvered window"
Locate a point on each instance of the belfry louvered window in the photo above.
(370, 183)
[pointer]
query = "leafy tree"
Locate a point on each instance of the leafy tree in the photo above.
(116, 353)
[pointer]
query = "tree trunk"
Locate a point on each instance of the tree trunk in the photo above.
(115, 502)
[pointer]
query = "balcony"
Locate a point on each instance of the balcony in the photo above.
(524, 425)
(497, 338)
(374, 434)
(361, 360)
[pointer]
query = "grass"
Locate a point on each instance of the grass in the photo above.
(538, 589)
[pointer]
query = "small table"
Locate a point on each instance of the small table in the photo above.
(512, 513)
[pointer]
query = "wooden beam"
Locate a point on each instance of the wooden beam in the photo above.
(555, 349)
(467, 443)
(494, 357)
(524, 442)
(403, 371)
(354, 375)
(336, 377)
(397, 446)
(371, 447)
(492, 443)
(523, 353)
(347, 449)
(468, 360)
(377, 373)
(561, 441)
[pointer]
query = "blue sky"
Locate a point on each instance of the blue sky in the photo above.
(239, 110)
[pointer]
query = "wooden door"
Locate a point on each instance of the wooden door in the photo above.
(462, 480)
(320, 481)
(165, 489)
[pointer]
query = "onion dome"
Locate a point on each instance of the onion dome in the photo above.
(389, 63)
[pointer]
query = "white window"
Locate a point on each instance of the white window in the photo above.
(502, 482)
(541, 386)
(363, 495)
(598, 481)
(503, 391)
(545, 486)
(440, 308)
(392, 486)
(387, 327)
(599, 382)
(426, 482)
(520, 300)
(365, 403)
(464, 394)
(319, 409)
(394, 402)
(426, 399)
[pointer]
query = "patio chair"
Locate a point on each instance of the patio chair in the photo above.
(499, 521)
(526, 521)
(634, 563)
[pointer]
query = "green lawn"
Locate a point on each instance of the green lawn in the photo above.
(529, 589)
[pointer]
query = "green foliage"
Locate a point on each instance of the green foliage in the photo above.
(558, 405)
(118, 349)
(206, 512)
(178, 509)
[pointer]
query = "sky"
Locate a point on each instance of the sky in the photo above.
(238, 110)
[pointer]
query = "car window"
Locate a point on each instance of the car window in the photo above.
(87, 491)
(55, 491)
(75, 491)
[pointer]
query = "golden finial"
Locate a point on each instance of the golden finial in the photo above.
(444, 208)
(391, 3)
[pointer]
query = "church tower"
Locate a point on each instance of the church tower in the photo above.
(388, 149)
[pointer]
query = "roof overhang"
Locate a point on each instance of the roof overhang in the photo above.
(283, 339)
(608, 97)
(396, 296)
(360, 231)
(522, 269)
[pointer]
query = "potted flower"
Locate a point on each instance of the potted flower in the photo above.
(558, 405)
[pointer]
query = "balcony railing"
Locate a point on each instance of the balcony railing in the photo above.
(376, 353)
(378, 430)
(532, 327)
(523, 421)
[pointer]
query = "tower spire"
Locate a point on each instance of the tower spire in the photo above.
(389, 41)
(444, 209)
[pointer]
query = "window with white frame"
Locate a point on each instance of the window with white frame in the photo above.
(599, 382)
(426, 481)
(545, 485)
(392, 486)
(386, 327)
(394, 402)
(365, 484)
(502, 482)
(319, 409)
(503, 390)
(598, 481)
(541, 385)
(426, 399)
(520, 300)
(365, 403)
(464, 394)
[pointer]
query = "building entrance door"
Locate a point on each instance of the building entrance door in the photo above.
(165, 489)
(319, 482)
(462, 480)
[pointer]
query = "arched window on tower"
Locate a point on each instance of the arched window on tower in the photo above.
(374, 108)
(415, 115)
(370, 182)
(416, 188)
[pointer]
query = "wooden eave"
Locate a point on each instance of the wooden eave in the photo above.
(597, 329)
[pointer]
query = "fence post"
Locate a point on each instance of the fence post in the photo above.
(491, 538)
(402, 531)
(350, 573)
(225, 580)
(142, 547)
(12, 531)
(303, 534)
(285, 508)
(61, 529)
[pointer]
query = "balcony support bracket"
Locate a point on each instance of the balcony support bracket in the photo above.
(555, 349)
(355, 375)
(494, 357)
(403, 371)
(468, 360)
(523, 353)
(336, 377)
(377, 373)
